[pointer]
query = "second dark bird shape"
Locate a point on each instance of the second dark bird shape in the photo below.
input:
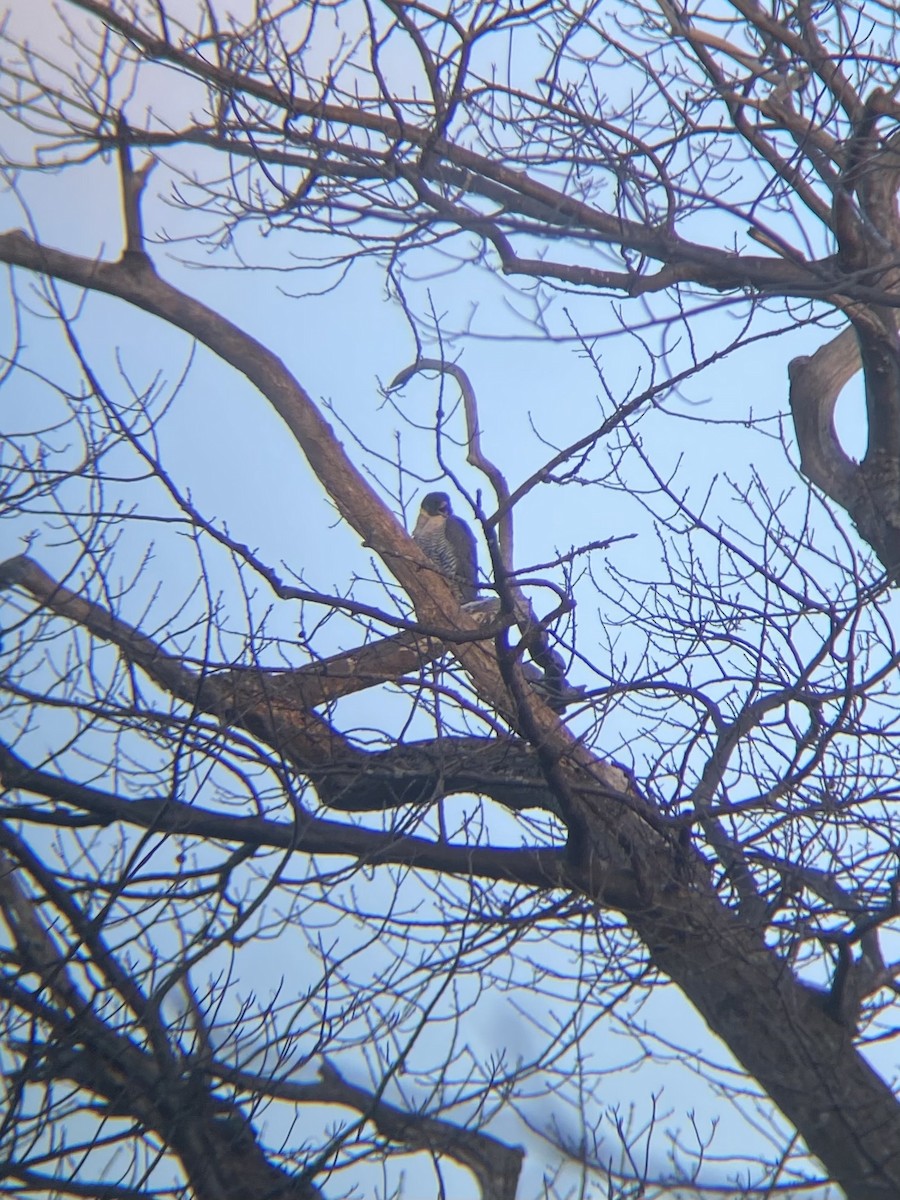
(449, 543)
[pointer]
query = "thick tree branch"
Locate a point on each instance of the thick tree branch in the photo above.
(133, 1081)
(276, 707)
(496, 1166)
(868, 491)
(313, 835)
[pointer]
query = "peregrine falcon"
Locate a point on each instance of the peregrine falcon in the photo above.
(449, 543)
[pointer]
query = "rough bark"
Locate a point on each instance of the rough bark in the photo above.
(868, 491)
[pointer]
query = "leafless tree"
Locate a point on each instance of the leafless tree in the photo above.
(285, 841)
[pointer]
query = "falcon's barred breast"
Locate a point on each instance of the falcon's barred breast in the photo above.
(449, 543)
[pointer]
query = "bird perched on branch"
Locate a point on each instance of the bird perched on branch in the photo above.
(449, 543)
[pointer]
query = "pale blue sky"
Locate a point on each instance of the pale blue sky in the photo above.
(222, 442)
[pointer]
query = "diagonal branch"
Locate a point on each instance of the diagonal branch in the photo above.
(275, 707)
(495, 1165)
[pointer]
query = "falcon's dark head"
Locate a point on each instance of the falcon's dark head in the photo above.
(437, 504)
